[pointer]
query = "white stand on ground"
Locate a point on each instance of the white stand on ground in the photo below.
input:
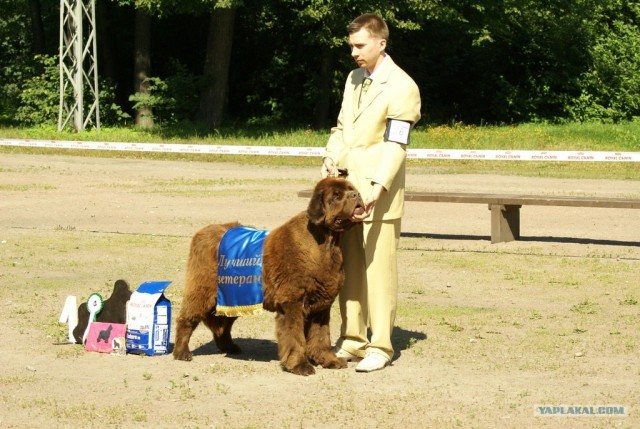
(70, 315)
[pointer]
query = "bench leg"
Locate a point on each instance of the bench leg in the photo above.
(505, 223)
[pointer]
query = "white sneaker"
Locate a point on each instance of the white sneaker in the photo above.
(372, 362)
(350, 357)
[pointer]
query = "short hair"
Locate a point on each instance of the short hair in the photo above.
(372, 22)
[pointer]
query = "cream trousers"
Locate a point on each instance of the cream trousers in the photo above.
(370, 294)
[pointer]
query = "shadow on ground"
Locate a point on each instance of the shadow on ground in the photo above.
(545, 239)
(262, 350)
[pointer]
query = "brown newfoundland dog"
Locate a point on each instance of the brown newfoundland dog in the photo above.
(302, 274)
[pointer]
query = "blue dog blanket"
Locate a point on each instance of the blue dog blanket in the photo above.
(240, 272)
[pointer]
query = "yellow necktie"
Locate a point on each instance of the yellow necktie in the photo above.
(366, 83)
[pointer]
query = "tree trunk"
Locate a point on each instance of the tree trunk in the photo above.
(323, 101)
(213, 99)
(142, 65)
(37, 28)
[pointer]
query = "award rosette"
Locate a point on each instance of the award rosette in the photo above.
(94, 305)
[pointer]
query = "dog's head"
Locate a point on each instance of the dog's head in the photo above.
(333, 203)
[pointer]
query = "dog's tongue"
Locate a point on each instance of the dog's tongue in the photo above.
(358, 211)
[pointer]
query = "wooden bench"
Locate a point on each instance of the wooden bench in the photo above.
(505, 208)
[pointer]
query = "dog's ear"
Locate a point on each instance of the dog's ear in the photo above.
(315, 210)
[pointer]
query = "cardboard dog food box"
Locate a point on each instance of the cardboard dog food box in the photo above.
(149, 319)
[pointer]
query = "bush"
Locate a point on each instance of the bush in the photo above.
(172, 100)
(611, 87)
(40, 98)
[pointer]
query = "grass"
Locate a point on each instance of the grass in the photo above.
(27, 188)
(629, 300)
(214, 187)
(588, 136)
(624, 137)
(585, 307)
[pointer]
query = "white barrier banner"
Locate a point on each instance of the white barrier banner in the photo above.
(488, 155)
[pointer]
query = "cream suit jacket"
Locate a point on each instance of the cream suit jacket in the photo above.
(357, 141)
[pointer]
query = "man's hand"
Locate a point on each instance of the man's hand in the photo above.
(369, 203)
(328, 168)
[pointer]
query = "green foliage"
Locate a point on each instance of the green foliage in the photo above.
(507, 62)
(111, 113)
(611, 86)
(155, 97)
(15, 60)
(173, 99)
(39, 98)
(475, 62)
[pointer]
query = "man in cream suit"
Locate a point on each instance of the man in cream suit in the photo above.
(380, 106)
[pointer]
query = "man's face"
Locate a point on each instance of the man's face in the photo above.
(366, 50)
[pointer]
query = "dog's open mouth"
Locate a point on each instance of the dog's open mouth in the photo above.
(357, 211)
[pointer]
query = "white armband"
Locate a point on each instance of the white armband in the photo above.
(397, 131)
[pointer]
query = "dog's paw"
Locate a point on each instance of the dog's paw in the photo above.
(337, 363)
(185, 355)
(303, 368)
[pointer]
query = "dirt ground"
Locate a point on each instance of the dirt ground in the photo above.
(486, 333)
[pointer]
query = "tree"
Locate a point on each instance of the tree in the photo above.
(142, 66)
(144, 9)
(305, 57)
(285, 61)
(37, 28)
(610, 87)
(213, 97)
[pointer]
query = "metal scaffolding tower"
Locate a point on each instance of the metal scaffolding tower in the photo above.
(79, 97)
